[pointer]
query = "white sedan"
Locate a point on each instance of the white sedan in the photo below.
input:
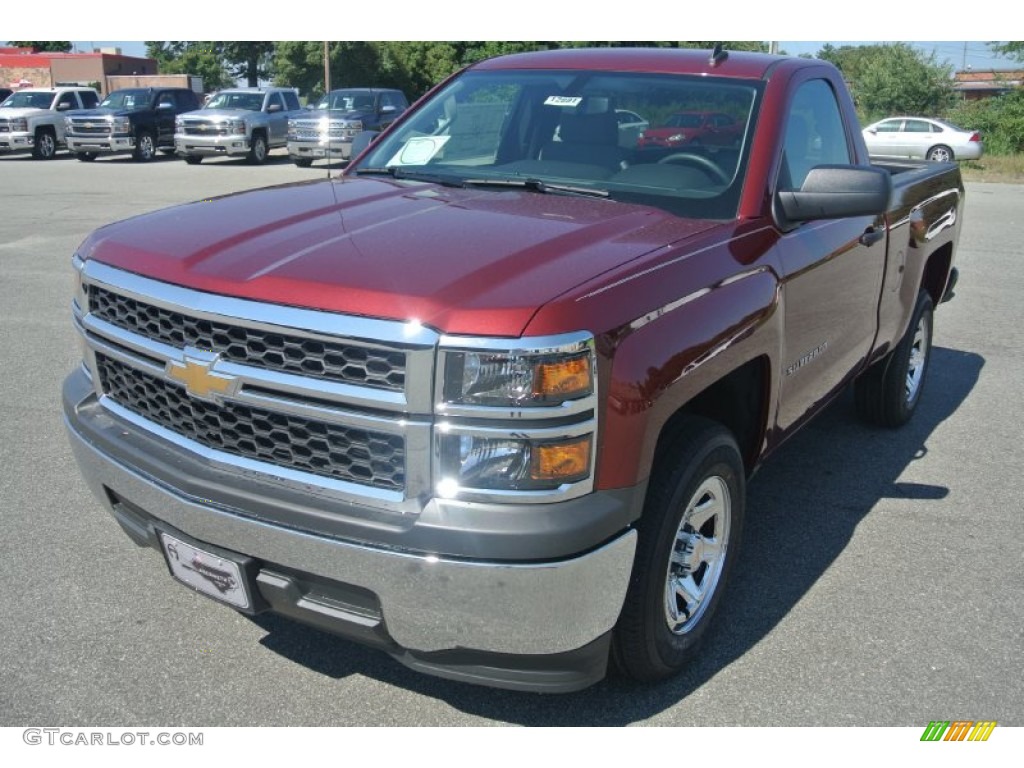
(922, 137)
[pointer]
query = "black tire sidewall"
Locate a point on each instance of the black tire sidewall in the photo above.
(896, 376)
(647, 648)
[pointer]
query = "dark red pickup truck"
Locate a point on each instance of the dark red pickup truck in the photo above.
(488, 401)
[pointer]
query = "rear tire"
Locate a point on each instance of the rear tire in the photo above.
(303, 163)
(940, 154)
(193, 159)
(689, 535)
(86, 157)
(45, 145)
(888, 392)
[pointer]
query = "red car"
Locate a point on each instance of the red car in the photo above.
(693, 128)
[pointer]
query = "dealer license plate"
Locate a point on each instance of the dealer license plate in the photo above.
(210, 574)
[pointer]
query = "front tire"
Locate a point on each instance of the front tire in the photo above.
(689, 535)
(145, 147)
(193, 159)
(86, 157)
(258, 149)
(45, 146)
(940, 154)
(888, 392)
(303, 163)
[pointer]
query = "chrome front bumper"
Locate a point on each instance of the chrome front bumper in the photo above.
(427, 603)
(17, 141)
(310, 149)
(235, 144)
(100, 143)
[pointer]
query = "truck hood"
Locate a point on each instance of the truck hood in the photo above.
(478, 261)
(222, 114)
(338, 114)
(103, 112)
(11, 114)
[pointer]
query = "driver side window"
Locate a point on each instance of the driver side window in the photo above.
(814, 135)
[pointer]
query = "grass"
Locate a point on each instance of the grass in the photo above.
(1007, 169)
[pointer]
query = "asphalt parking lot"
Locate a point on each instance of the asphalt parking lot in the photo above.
(880, 581)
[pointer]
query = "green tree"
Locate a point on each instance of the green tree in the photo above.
(1014, 49)
(893, 78)
(49, 46)
(249, 59)
(1000, 121)
(202, 58)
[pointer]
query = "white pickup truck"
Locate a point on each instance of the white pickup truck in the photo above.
(31, 120)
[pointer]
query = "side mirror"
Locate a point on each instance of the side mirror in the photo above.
(837, 191)
(388, 109)
(164, 107)
(274, 108)
(63, 107)
(872, 131)
(361, 141)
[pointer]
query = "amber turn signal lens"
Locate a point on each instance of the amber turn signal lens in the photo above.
(564, 378)
(564, 462)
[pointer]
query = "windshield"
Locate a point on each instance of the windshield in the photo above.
(21, 100)
(561, 128)
(251, 102)
(134, 99)
(347, 101)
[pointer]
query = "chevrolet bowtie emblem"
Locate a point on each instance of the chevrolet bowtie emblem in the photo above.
(199, 381)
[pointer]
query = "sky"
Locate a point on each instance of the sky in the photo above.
(958, 54)
(805, 20)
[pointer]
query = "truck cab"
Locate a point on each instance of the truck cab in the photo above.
(237, 122)
(32, 119)
(136, 121)
(489, 400)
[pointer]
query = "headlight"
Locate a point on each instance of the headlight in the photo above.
(516, 416)
(67, 123)
(353, 125)
(19, 124)
(517, 379)
(238, 126)
(474, 462)
(677, 137)
(121, 125)
(179, 124)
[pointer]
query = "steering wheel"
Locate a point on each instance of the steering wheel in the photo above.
(697, 161)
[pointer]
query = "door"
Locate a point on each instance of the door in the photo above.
(278, 120)
(166, 111)
(919, 136)
(886, 140)
(832, 276)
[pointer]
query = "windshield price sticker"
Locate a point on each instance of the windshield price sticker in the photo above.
(563, 101)
(418, 150)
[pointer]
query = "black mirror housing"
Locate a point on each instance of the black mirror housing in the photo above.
(837, 191)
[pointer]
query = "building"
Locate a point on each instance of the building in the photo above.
(23, 68)
(981, 84)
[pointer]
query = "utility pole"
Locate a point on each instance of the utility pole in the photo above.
(773, 46)
(327, 69)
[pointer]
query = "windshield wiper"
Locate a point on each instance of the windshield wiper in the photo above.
(536, 185)
(397, 172)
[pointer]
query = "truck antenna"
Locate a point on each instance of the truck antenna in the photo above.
(718, 55)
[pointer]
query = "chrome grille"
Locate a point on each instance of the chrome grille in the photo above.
(90, 127)
(336, 361)
(206, 129)
(354, 455)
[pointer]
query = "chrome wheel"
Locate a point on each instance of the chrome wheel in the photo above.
(145, 149)
(918, 360)
(940, 154)
(698, 555)
(46, 146)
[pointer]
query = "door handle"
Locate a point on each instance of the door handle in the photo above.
(871, 236)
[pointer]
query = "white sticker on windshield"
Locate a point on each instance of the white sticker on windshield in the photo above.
(418, 150)
(563, 101)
